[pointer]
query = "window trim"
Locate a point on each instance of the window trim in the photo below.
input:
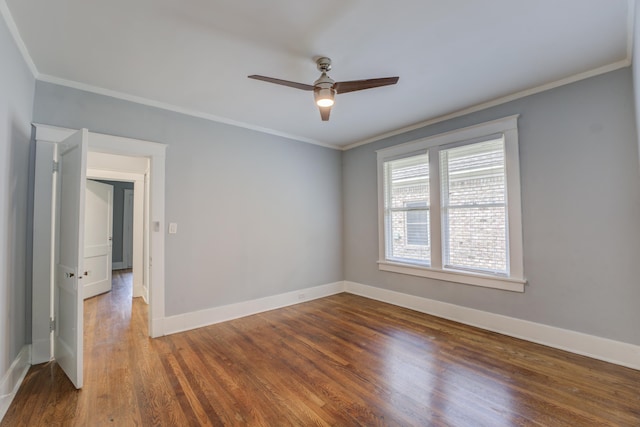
(507, 126)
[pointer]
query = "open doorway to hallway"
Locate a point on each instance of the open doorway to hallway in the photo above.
(130, 244)
(112, 158)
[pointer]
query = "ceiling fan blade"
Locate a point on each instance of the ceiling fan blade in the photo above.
(282, 82)
(353, 85)
(324, 113)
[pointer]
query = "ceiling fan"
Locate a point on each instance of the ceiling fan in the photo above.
(325, 88)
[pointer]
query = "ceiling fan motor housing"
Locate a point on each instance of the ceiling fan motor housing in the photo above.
(324, 64)
(324, 81)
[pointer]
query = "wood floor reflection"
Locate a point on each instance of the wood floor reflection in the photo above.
(342, 360)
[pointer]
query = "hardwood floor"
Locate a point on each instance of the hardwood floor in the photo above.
(342, 360)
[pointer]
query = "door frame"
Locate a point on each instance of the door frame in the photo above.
(127, 222)
(47, 138)
(141, 221)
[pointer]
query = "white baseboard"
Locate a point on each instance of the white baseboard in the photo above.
(11, 380)
(40, 351)
(197, 319)
(599, 348)
(119, 265)
(138, 289)
(604, 349)
(145, 294)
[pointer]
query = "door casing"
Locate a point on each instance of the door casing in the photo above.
(44, 237)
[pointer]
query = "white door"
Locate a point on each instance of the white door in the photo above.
(68, 301)
(98, 232)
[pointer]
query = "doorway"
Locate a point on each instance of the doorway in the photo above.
(152, 245)
(120, 238)
(130, 176)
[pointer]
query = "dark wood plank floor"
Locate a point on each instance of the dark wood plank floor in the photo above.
(342, 360)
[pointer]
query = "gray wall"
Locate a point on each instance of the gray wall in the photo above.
(16, 106)
(257, 214)
(636, 67)
(118, 216)
(580, 204)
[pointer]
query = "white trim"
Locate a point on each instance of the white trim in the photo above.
(50, 133)
(498, 101)
(507, 127)
(17, 38)
(118, 265)
(604, 349)
(514, 203)
(11, 380)
(495, 282)
(198, 319)
(478, 107)
(43, 246)
(457, 135)
(156, 153)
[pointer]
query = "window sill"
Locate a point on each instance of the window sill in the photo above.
(507, 284)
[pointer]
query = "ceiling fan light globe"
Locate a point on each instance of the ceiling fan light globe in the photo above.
(326, 102)
(324, 97)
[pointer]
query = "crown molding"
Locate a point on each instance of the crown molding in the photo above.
(8, 18)
(13, 29)
(498, 101)
(176, 109)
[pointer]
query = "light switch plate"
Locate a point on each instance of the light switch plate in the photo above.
(173, 228)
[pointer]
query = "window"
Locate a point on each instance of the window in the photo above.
(407, 207)
(450, 207)
(474, 217)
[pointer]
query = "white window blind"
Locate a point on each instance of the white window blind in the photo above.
(417, 227)
(406, 209)
(474, 209)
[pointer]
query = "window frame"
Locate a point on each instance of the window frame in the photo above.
(508, 128)
(446, 250)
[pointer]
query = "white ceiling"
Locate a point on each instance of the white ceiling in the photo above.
(194, 55)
